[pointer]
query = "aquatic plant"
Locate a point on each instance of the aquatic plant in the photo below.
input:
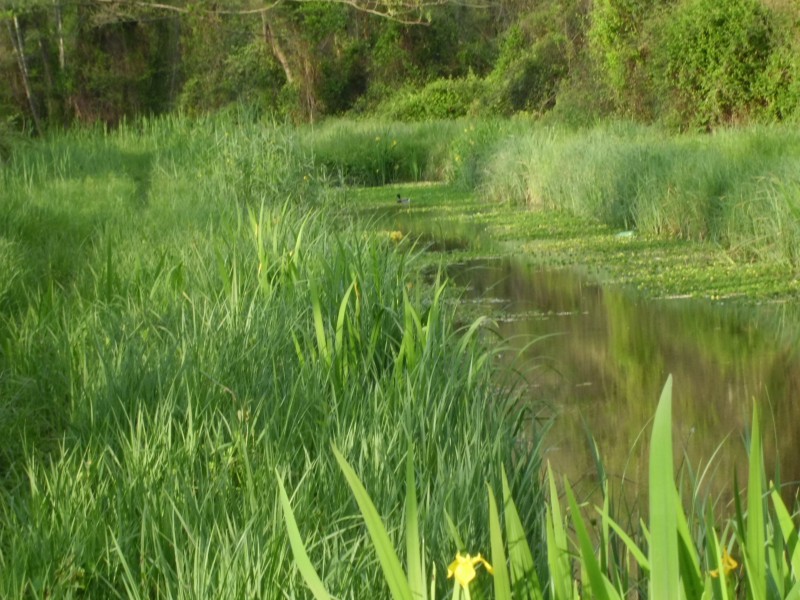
(668, 562)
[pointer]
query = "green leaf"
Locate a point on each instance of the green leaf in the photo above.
(416, 567)
(502, 585)
(558, 559)
(665, 578)
(788, 530)
(687, 553)
(715, 558)
(319, 326)
(339, 337)
(454, 535)
(392, 569)
(638, 555)
(756, 535)
(524, 579)
(304, 565)
(601, 586)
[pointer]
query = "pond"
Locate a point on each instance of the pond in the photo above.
(598, 357)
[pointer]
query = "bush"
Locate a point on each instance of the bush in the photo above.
(714, 52)
(440, 99)
(779, 84)
(527, 73)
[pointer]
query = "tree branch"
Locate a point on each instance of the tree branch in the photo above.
(408, 12)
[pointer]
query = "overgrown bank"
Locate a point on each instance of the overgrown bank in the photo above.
(738, 189)
(182, 325)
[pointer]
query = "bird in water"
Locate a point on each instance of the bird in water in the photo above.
(401, 200)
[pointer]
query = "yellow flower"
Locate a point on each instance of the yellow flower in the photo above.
(727, 563)
(463, 568)
(396, 236)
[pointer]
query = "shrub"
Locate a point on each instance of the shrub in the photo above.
(713, 54)
(779, 83)
(527, 74)
(440, 99)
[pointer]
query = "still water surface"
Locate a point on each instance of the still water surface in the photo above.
(606, 356)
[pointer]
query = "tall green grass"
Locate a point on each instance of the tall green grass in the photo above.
(736, 188)
(664, 558)
(186, 319)
(371, 153)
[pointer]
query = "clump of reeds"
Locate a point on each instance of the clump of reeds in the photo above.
(753, 553)
(185, 320)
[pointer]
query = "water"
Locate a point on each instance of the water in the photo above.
(603, 354)
(598, 357)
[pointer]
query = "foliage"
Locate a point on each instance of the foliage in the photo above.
(738, 188)
(440, 99)
(673, 565)
(779, 83)
(247, 74)
(713, 54)
(372, 152)
(527, 73)
(187, 315)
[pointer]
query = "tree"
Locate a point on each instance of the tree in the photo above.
(102, 59)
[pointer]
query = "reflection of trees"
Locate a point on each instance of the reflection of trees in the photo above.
(721, 359)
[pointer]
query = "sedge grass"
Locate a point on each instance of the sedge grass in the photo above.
(737, 189)
(173, 339)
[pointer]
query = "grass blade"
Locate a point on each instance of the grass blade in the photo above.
(416, 567)
(756, 535)
(601, 587)
(319, 325)
(502, 585)
(557, 551)
(638, 555)
(790, 533)
(304, 565)
(524, 579)
(390, 563)
(454, 535)
(665, 580)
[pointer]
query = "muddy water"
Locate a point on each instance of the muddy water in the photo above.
(599, 356)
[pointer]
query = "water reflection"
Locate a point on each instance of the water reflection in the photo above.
(611, 352)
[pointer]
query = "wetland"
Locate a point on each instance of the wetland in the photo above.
(595, 320)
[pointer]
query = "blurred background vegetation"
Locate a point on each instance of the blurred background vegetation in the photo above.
(688, 64)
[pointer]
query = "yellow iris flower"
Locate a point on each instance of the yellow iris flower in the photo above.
(727, 563)
(463, 568)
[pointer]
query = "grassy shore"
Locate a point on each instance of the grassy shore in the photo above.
(190, 315)
(738, 190)
(183, 325)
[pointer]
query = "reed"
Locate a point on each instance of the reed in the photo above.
(736, 188)
(188, 316)
(741, 555)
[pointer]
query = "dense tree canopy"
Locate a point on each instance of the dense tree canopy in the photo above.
(694, 63)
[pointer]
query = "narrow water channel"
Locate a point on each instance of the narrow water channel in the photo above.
(602, 355)
(598, 357)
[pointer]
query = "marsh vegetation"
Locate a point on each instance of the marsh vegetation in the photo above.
(196, 309)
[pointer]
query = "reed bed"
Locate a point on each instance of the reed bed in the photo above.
(738, 188)
(209, 374)
(187, 321)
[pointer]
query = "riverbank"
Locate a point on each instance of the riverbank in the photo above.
(615, 313)
(467, 226)
(182, 326)
(191, 315)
